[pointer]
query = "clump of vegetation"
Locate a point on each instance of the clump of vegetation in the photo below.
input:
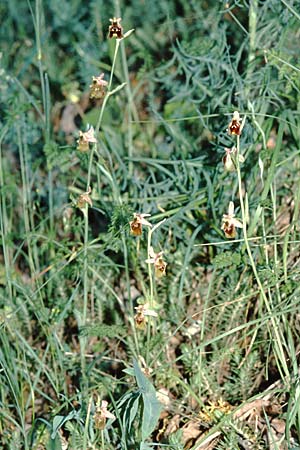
(149, 217)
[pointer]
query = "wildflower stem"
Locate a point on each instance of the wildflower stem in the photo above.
(26, 205)
(150, 232)
(252, 30)
(151, 294)
(98, 125)
(102, 440)
(276, 329)
(86, 218)
(150, 272)
(87, 423)
(37, 22)
(4, 227)
(113, 64)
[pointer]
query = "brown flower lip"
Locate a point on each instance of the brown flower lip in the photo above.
(230, 223)
(160, 265)
(101, 415)
(85, 139)
(85, 199)
(97, 88)
(229, 229)
(136, 225)
(142, 312)
(235, 126)
(115, 30)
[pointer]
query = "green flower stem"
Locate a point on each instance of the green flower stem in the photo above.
(113, 64)
(26, 204)
(150, 271)
(278, 336)
(37, 21)
(203, 328)
(151, 295)
(109, 93)
(151, 286)
(87, 423)
(132, 111)
(4, 226)
(252, 30)
(86, 218)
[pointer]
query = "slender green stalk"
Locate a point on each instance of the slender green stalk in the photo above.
(252, 29)
(37, 21)
(151, 285)
(87, 423)
(150, 271)
(86, 218)
(132, 111)
(203, 326)
(37, 26)
(151, 295)
(4, 223)
(102, 440)
(279, 350)
(293, 11)
(50, 172)
(25, 201)
(94, 148)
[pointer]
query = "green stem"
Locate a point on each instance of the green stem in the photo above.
(252, 29)
(86, 218)
(132, 111)
(25, 200)
(252, 47)
(4, 223)
(102, 440)
(87, 423)
(150, 271)
(278, 339)
(46, 105)
(37, 23)
(97, 129)
(203, 327)
(151, 295)
(113, 64)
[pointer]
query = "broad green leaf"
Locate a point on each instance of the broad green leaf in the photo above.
(151, 406)
(145, 446)
(151, 413)
(142, 381)
(133, 411)
(54, 444)
(58, 422)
